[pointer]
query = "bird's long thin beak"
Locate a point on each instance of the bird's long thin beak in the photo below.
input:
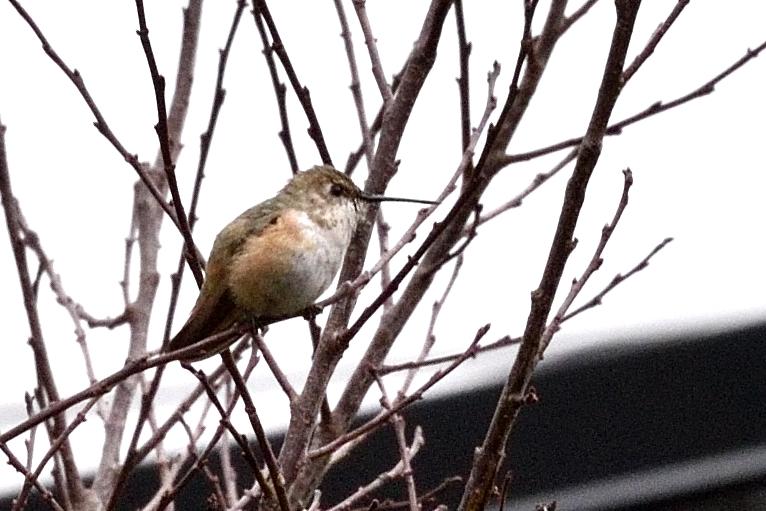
(383, 198)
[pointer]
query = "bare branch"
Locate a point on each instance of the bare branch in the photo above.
(45, 379)
(382, 479)
(315, 131)
(401, 403)
(158, 81)
(492, 451)
(372, 49)
(653, 109)
(268, 454)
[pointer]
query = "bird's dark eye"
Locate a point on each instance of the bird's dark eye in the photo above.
(336, 190)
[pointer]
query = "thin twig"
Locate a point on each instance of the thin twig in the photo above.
(401, 404)
(653, 109)
(279, 375)
(356, 89)
(158, 81)
(31, 479)
(657, 36)
(616, 280)
(488, 458)
(463, 81)
(16, 463)
(372, 49)
(430, 339)
(401, 440)
(44, 372)
(268, 454)
(315, 131)
(382, 479)
(595, 263)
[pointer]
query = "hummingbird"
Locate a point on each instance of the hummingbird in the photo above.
(278, 257)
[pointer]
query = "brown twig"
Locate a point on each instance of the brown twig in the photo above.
(163, 135)
(400, 404)
(30, 479)
(45, 379)
(277, 479)
(372, 49)
(595, 263)
(225, 414)
(260, 8)
(617, 280)
(47, 496)
(653, 109)
(463, 81)
(382, 479)
(279, 375)
(401, 440)
(537, 182)
(657, 36)
(492, 451)
(356, 89)
(280, 91)
(427, 497)
(503, 342)
(573, 18)
(430, 339)
(105, 384)
(205, 143)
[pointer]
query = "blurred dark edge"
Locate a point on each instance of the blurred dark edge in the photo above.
(667, 424)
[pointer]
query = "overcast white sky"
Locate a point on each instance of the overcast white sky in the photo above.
(699, 170)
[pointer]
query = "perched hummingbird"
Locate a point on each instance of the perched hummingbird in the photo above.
(278, 257)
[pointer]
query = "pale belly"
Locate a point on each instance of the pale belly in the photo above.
(284, 270)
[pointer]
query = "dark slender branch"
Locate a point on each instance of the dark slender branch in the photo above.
(158, 81)
(488, 458)
(225, 424)
(47, 496)
(651, 45)
(463, 81)
(654, 109)
(573, 18)
(205, 142)
(280, 92)
(31, 479)
(279, 375)
(595, 263)
(277, 479)
(260, 8)
(617, 280)
(105, 384)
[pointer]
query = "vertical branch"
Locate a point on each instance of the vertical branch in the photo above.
(43, 369)
(280, 91)
(148, 220)
(164, 137)
(491, 453)
(175, 121)
(463, 82)
(331, 348)
(356, 89)
(372, 49)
